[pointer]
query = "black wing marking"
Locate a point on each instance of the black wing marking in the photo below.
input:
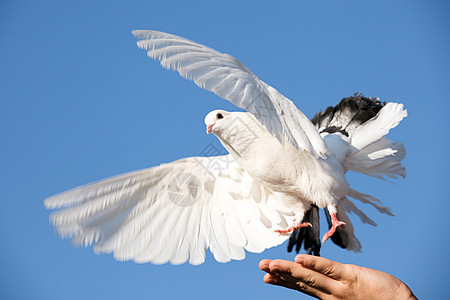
(350, 113)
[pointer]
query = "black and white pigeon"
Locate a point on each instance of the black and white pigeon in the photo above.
(279, 166)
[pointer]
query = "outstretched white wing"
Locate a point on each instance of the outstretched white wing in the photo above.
(225, 76)
(173, 213)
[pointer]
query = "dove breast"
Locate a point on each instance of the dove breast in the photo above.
(293, 175)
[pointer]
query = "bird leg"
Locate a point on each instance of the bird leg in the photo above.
(296, 225)
(335, 224)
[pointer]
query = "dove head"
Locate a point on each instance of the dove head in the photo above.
(214, 120)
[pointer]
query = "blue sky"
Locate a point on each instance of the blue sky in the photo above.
(80, 102)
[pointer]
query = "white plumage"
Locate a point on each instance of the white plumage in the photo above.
(279, 164)
(134, 215)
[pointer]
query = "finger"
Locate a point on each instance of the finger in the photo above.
(272, 279)
(297, 274)
(303, 288)
(264, 265)
(329, 268)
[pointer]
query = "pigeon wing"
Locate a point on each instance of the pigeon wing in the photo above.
(173, 213)
(229, 79)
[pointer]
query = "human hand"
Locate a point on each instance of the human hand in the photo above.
(326, 279)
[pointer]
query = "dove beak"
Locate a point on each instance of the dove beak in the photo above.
(209, 128)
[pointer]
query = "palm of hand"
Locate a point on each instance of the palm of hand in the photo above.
(325, 279)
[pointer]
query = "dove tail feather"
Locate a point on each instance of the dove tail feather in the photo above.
(308, 236)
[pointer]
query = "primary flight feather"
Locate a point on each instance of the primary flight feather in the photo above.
(279, 166)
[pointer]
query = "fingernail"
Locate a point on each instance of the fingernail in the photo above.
(271, 279)
(299, 260)
(275, 270)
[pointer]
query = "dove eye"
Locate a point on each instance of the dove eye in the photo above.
(219, 116)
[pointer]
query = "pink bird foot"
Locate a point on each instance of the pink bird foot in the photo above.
(335, 224)
(293, 227)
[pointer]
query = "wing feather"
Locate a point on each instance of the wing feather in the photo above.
(225, 76)
(144, 216)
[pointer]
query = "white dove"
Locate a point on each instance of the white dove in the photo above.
(279, 165)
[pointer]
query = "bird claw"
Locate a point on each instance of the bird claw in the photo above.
(334, 226)
(293, 227)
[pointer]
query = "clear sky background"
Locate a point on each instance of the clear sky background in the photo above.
(80, 102)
